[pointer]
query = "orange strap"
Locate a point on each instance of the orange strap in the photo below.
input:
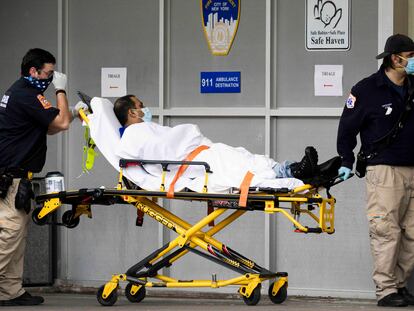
(244, 188)
(181, 170)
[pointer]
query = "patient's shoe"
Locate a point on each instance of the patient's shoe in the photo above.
(308, 166)
(329, 170)
(326, 173)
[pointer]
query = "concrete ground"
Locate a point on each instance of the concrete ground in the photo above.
(81, 301)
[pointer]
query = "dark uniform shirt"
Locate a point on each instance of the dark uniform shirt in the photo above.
(25, 116)
(372, 109)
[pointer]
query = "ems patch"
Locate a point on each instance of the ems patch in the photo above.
(44, 102)
(350, 102)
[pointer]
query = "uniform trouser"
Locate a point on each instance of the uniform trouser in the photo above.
(390, 212)
(13, 230)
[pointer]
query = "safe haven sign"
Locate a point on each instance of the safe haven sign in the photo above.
(328, 25)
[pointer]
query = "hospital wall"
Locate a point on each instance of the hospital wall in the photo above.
(25, 25)
(164, 49)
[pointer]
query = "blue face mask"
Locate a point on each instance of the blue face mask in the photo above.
(409, 69)
(147, 114)
(40, 84)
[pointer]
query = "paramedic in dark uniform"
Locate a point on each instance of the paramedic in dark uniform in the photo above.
(26, 117)
(372, 110)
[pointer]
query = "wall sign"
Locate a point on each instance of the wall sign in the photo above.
(328, 24)
(113, 82)
(220, 22)
(220, 82)
(328, 80)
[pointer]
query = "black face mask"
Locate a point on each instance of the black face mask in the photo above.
(40, 84)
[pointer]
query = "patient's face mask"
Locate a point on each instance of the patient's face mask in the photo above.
(147, 114)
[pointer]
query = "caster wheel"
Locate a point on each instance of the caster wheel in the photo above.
(108, 301)
(281, 294)
(254, 297)
(35, 217)
(138, 296)
(69, 221)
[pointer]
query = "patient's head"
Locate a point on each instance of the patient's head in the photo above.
(128, 110)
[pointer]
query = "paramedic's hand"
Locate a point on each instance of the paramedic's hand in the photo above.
(75, 110)
(59, 81)
(344, 172)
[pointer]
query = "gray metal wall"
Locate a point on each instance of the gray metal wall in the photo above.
(275, 113)
(339, 264)
(25, 25)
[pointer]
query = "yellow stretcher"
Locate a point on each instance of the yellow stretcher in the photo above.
(196, 237)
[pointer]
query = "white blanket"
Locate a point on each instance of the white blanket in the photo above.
(150, 141)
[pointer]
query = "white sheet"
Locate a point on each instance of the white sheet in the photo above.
(151, 141)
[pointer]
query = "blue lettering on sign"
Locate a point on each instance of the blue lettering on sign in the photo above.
(220, 82)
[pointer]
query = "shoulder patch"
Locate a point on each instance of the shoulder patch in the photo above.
(44, 102)
(350, 102)
(4, 101)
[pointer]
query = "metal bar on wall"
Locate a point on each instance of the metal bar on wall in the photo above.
(385, 23)
(161, 80)
(267, 239)
(250, 112)
(161, 62)
(62, 139)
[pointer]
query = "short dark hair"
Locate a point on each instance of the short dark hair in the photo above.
(122, 106)
(36, 58)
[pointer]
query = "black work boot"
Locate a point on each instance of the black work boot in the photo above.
(308, 166)
(23, 300)
(403, 291)
(392, 300)
(329, 169)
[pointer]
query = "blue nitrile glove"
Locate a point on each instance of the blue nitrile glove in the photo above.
(344, 172)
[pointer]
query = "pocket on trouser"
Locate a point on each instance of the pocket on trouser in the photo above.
(24, 196)
(380, 227)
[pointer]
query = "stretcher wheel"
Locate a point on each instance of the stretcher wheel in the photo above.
(35, 217)
(108, 301)
(138, 296)
(280, 296)
(68, 219)
(254, 297)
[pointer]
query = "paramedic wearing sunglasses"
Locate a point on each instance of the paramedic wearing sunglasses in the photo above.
(374, 110)
(26, 117)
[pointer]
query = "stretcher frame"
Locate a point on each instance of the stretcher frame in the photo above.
(193, 237)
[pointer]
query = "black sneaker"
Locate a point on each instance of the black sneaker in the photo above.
(406, 295)
(308, 166)
(392, 300)
(23, 300)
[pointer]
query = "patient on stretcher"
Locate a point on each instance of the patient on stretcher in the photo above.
(143, 139)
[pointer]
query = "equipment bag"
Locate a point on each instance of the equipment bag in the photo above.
(24, 195)
(361, 164)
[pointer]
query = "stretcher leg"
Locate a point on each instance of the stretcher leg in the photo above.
(278, 290)
(189, 237)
